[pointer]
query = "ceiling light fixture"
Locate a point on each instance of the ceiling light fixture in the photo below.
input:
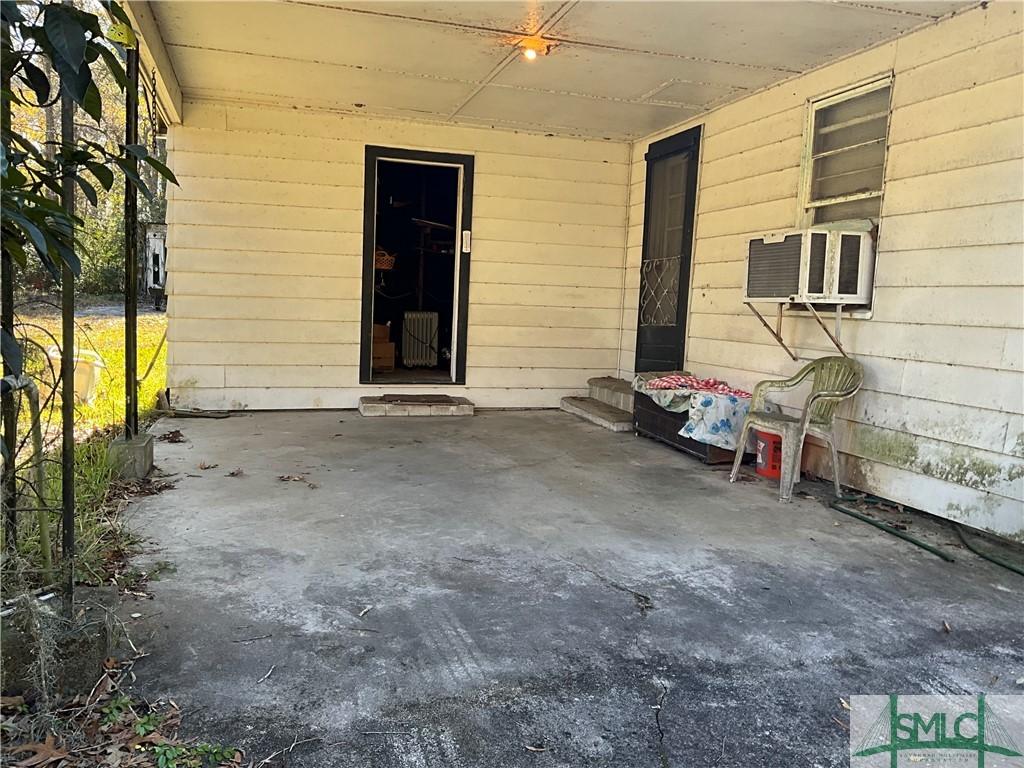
(532, 47)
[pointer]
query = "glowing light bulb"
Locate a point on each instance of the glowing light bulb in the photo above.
(532, 47)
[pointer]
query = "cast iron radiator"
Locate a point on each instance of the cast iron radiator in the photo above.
(419, 339)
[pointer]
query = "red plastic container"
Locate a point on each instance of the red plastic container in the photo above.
(769, 454)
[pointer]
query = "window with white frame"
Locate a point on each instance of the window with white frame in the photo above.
(845, 156)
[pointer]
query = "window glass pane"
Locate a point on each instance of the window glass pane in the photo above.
(850, 183)
(868, 208)
(673, 242)
(675, 210)
(676, 166)
(831, 139)
(851, 109)
(849, 160)
(848, 155)
(656, 226)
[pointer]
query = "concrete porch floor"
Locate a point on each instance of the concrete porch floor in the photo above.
(499, 556)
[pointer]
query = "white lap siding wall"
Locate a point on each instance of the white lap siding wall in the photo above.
(265, 258)
(938, 425)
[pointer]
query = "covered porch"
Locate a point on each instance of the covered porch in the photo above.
(567, 254)
(520, 587)
(523, 588)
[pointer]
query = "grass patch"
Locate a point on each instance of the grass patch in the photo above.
(105, 336)
(102, 542)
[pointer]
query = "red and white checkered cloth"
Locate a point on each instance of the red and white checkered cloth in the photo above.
(675, 381)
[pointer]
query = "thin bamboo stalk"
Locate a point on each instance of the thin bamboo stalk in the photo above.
(39, 477)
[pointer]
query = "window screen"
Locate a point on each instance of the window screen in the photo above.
(847, 154)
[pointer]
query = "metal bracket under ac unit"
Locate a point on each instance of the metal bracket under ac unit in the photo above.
(776, 332)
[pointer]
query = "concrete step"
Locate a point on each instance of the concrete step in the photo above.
(415, 405)
(617, 393)
(596, 412)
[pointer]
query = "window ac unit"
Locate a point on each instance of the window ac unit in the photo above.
(831, 264)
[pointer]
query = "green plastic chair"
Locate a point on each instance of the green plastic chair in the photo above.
(835, 379)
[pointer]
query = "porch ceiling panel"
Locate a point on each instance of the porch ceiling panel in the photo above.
(295, 83)
(293, 32)
(523, 16)
(618, 74)
(616, 70)
(788, 36)
(566, 113)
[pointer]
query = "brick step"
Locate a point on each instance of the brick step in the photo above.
(596, 412)
(617, 393)
(415, 405)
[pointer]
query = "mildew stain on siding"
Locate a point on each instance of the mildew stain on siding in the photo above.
(951, 463)
(896, 448)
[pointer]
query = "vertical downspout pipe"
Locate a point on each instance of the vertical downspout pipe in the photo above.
(131, 252)
(67, 370)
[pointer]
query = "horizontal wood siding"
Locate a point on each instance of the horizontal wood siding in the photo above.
(265, 240)
(938, 425)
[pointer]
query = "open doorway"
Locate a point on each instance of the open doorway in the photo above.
(416, 243)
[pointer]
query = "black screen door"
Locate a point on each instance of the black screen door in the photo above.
(667, 251)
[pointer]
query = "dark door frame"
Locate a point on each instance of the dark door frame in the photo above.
(373, 154)
(687, 141)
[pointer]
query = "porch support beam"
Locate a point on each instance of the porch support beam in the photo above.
(131, 252)
(67, 371)
(8, 482)
(153, 58)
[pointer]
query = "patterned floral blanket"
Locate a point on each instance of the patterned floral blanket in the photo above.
(692, 383)
(716, 410)
(716, 419)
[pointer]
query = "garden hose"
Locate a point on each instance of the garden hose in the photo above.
(896, 532)
(984, 555)
(889, 529)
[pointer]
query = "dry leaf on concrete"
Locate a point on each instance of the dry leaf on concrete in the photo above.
(45, 753)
